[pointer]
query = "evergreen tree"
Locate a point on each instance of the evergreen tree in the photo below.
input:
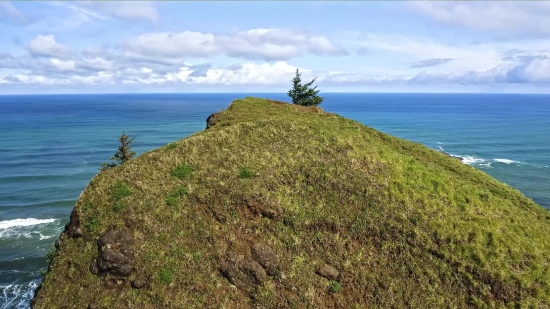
(123, 154)
(303, 94)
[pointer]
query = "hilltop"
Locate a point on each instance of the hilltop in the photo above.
(282, 206)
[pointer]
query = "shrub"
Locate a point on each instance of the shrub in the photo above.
(335, 286)
(51, 254)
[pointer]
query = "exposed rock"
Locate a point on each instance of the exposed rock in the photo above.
(266, 257)
(138, 283)
(57, 243)
(328, 272)
(461, 159)
(242, 271)
(115, 253)
(212, 119)
(73, 227)
(92, 306)
(93, 267)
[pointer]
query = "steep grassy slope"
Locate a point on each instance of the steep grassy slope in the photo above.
(403, 225)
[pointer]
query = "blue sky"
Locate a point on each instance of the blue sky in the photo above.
(222, 46)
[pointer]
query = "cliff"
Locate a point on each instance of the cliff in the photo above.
(281, 206)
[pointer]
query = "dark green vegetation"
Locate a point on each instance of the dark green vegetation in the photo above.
(123, 154)
(399, 225)
(303, 94)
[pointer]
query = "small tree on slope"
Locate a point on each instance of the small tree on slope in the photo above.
(303, 94)
(123, 154)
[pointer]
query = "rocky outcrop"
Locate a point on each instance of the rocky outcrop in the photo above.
(250, 271)
(266, 257)
(115, 254)
(212, 120)
(241, 271)
(73, 228)
(328, 272)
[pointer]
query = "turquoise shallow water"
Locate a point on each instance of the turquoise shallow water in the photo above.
(52, 145)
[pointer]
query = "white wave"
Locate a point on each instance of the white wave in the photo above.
(505, 161)
(471, 159)
(23, 222)
(29, 228)
(487, 165)
(17, 296)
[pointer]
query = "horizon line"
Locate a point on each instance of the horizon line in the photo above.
(246, 92)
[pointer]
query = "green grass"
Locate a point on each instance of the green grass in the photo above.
(406, 226)
(121, 190)
(173, 198)
(182, 171)
(118, 207)
(165, 276)
(335, 287)
(245, 173)
(171, 146)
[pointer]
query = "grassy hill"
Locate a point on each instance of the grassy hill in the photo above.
(281, 206)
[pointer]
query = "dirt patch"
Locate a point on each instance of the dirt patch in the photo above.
(307, 109)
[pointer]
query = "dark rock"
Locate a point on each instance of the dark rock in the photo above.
(328, 272)
(242, 271)
(266, 257)
(73, 228)
(57, 244)
(77, 232)
(93, 267)
(115, 253)
(461, 159)
(92, 306)
(138, 283)
(212, 119)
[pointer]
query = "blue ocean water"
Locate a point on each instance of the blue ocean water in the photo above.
(52, 145)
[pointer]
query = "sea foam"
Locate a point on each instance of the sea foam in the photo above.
(505, 161)
(17, 296)
(23, 222)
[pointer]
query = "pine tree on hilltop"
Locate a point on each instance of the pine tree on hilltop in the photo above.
(303, 94)
(123, 154)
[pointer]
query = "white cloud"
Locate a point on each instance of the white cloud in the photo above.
(267, 44)
(46, 46)
(10, 12)
(507, 17)
(63, 66)
(127, 10)
(123, 10)
(418, 48)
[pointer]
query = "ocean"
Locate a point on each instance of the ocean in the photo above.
(52, 145)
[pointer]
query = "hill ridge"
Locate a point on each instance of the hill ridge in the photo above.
(279, 206)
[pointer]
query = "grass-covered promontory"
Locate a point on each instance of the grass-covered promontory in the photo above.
(285, 206)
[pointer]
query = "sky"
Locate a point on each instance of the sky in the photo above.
(256, 46)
